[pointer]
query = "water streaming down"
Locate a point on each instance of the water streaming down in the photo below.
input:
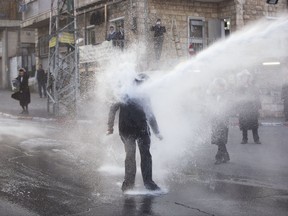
(178, 96)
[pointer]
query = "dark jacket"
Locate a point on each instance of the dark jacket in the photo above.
(158, 30)
(23, 95)
(112, 36)
(134, 117)
(248, 107)
(41, 76)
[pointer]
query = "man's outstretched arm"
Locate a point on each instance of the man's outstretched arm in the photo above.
(111, 117)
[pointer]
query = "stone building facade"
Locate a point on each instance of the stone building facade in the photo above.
(16, 45)
(196, 23)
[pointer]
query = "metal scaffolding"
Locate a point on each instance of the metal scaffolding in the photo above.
(63, 77)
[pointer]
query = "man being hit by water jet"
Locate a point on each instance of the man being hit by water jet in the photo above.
(134, 116)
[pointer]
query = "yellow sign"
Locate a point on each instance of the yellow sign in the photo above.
(64, 37)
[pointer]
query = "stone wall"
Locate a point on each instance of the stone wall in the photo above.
(256, 9)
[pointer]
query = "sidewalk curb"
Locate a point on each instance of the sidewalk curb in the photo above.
(59, 120)
(265, 124)
(26, 117)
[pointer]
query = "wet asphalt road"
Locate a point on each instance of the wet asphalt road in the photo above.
(49, 169)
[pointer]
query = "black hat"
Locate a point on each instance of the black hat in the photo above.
(141, 77)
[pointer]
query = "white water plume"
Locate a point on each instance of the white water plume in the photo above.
(178, 96)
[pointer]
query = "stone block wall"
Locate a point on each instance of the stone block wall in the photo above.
(256, 9)
(180, 11)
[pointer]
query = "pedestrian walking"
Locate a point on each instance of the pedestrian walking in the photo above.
(284, 97)
(42, 80)
(220, 119)
(23, 95)
(159, 31)
(135, 115)
(248, 106)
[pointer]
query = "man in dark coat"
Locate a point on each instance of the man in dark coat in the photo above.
(249, 105)
(284, 96)
(42, 80)
(159, 31)
(23, 95)
(134, 116)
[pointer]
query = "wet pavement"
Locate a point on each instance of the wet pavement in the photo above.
(50, 168)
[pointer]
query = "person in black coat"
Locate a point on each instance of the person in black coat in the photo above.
(42, 80)
(284, 97)
(248, 107)
(134, 117)
(112, 35)
(23, 95)
(220, 119)
(159, 31)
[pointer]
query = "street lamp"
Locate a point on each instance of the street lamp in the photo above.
(272, 2)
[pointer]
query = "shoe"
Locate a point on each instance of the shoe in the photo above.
(244, 141)
(257, 142)
(127, 186)
(23, 111)
(226, 157)
(152, 186)
(218, 162)
(222, 157)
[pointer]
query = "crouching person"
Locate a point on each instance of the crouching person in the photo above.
(135, 115)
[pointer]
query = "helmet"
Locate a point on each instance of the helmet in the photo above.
(141, 77)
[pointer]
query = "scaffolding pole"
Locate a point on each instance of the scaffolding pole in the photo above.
(63, 78)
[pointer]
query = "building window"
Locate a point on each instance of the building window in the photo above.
(118, 23)
(196, 33)
(90, 35)
(43, 44)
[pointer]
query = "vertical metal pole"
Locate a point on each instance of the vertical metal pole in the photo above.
(76, 53)
(56, 63)
(49, 59)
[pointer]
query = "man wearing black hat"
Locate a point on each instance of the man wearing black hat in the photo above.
(134, 117)
(159, 31)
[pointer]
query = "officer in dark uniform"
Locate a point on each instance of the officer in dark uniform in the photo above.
(134, 117)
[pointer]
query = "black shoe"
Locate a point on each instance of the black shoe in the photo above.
(152, 186)
(127, 186)
(257, 142)
(23, 112)
(226, 157)
(222, 157)
(244, 141)
(218, 162)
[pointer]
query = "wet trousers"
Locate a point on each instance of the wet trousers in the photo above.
(158, 43)
(42, 86)
(254, 132)
(143, 142)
